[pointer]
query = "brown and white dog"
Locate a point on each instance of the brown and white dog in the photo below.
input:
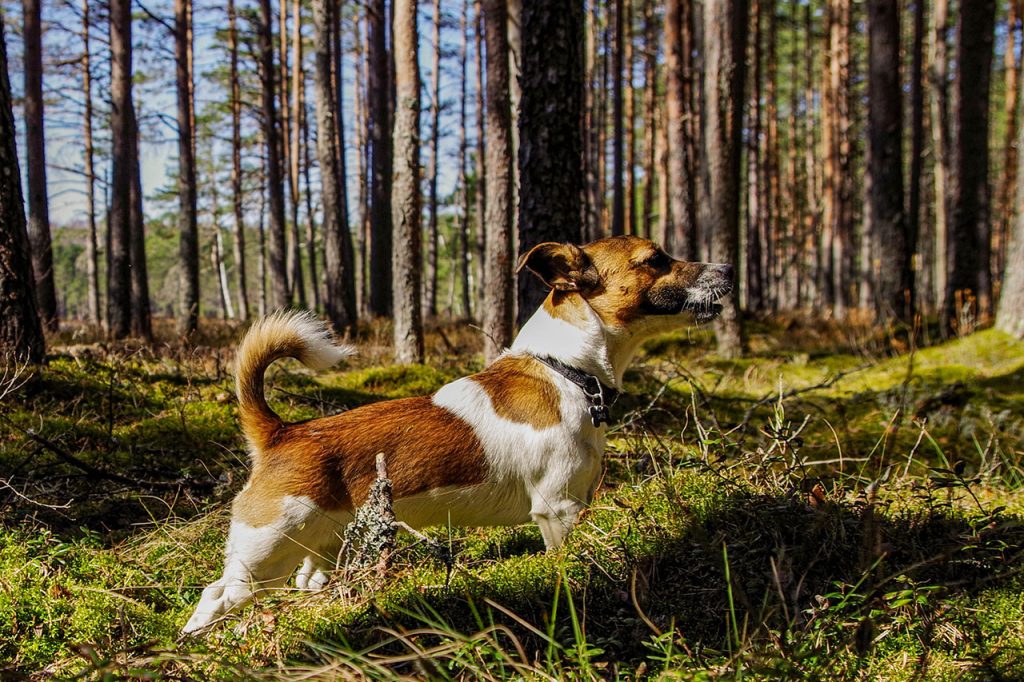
(520, 441)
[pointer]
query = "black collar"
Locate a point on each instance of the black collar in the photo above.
(600, 396)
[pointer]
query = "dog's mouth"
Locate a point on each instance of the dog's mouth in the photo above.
(705, 312)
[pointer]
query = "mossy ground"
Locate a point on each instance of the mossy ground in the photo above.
(837, 505)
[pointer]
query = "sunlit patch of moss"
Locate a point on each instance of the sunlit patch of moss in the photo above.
(397, 381)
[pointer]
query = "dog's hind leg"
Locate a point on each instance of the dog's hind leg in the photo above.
(259, 559)
(313, 575)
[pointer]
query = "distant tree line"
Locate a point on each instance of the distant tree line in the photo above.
(850, 158)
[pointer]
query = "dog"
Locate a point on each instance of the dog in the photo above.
(520, 441)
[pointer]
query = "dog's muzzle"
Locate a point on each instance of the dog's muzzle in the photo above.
(714, 282)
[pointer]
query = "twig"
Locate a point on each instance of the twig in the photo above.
(6, 484)
(68, 458)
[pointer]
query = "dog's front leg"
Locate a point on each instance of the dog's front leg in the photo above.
(555, 518)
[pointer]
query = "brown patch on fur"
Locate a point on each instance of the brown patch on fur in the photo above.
(521, 392)
(332, 460)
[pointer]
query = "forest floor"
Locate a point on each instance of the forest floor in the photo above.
(836, 505)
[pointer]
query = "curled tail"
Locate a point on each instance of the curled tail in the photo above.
(284, 334)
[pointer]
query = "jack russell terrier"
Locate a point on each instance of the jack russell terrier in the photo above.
(520, 441)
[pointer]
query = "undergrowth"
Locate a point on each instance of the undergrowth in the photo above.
(849, 515)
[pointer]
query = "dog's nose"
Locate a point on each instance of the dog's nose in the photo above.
(723, 270)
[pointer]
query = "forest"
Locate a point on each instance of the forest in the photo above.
(823, 481)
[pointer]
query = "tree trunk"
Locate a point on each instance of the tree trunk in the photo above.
(91, 250)
(916, 151)
(21, 334)
(465, 275)
(378, 91)
(755, 162)
(629, 113)
(725, 40)
(236, 167)
(339, 301)
(35, 147)
(261, 260)
(348, 256)
(280, 297)
(481, 155)
(939, 86)
(360, 273)
(682, 235)
(217, 256)
(405, 212)
(618, 148)
(969, 290)
(1010, 316)
(188, 246)
(650, 118)
(499, 301)
(311, 250)
(894, 279)
(142, 321)
(550, 138)
(293, 129)
(1008, 182)
(770, 182)
(119, 283)
(430, 289)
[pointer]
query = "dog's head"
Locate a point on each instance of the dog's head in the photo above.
(629, 282)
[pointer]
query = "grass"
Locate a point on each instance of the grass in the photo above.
(854, 513)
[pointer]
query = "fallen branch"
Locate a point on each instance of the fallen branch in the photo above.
(78, 463)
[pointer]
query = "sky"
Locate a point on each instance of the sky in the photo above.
(156, 99)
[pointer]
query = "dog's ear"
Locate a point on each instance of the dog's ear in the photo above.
(563, 267)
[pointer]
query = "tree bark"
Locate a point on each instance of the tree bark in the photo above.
(188, 246)
(916, 150)
(339, 303)
(894, 279)
(242, 288)
(292, 129)
(1008, 183)
(550, 138)
(378, 91)
(142, 322)
(618, 159)
(21, 334)
(280, 296)
(217, 256)
(755, 162)
(405, 212)
(91, 250)
(650, 118)
(1010, 315)
(430, 288)
(35, 147)
(725, 40)
(481, 156)
(465, 274)
(939, 108)
(119, 283)
(360, 272)
(969, 290)
(39, 218)
(682, 234)
(499, 302)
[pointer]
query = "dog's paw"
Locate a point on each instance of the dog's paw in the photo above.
(318, 581)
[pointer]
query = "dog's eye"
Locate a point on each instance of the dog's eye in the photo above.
(657, 260)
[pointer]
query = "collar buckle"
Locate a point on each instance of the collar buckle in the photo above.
(599, 396)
